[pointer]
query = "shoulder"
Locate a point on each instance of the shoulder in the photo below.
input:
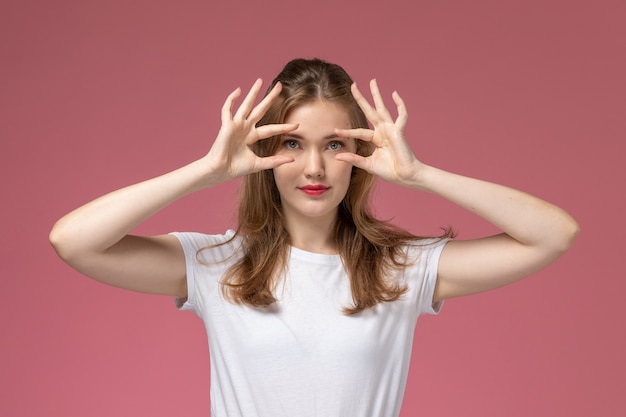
(425, 247)
(422, 256)
(194, 242)
(203, 239)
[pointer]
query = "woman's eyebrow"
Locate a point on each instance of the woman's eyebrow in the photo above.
(296, 136)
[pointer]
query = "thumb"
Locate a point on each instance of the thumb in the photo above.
(352, 159)
(271, 162)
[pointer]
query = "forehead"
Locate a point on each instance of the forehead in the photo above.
(319, 116)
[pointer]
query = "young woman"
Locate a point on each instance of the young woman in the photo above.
(311, 303)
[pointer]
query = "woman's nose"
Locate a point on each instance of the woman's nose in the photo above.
(314, 165)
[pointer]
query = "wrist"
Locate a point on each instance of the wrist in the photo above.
(203, 174)
(422, 177)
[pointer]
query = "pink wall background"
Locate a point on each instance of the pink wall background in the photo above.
(95, 95)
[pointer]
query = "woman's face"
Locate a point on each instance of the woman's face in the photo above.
(315, 183)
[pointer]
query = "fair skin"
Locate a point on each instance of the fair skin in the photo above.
(315, 183)
(535, 232)
(95, 238)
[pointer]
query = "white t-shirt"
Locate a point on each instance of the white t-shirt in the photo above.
(302, 356)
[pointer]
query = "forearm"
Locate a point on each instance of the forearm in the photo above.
(101, 223)
(527, 219)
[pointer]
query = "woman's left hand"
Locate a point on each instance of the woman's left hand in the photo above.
(392, 159)
(535, 232)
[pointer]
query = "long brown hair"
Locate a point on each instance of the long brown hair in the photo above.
(370, 249)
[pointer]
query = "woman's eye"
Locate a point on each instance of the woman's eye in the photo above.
(334, 146)
(291, 144)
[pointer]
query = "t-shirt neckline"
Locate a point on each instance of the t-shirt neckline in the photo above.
(324, 258)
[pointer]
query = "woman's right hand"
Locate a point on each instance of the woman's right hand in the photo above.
(231, 156)
(95, 238)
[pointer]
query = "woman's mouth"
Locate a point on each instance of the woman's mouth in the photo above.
(314, 189)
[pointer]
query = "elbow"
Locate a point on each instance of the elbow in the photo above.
(567, 236)
(55, 237)
(574, 232)
(61, 240)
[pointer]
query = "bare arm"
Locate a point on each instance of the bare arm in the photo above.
(535, 232)
(95, 239)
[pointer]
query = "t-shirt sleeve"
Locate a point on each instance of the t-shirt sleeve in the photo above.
(425, 272)
(199, 264)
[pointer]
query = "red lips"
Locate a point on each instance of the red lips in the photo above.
(314, 189)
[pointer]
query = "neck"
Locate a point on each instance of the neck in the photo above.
(312, 235)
